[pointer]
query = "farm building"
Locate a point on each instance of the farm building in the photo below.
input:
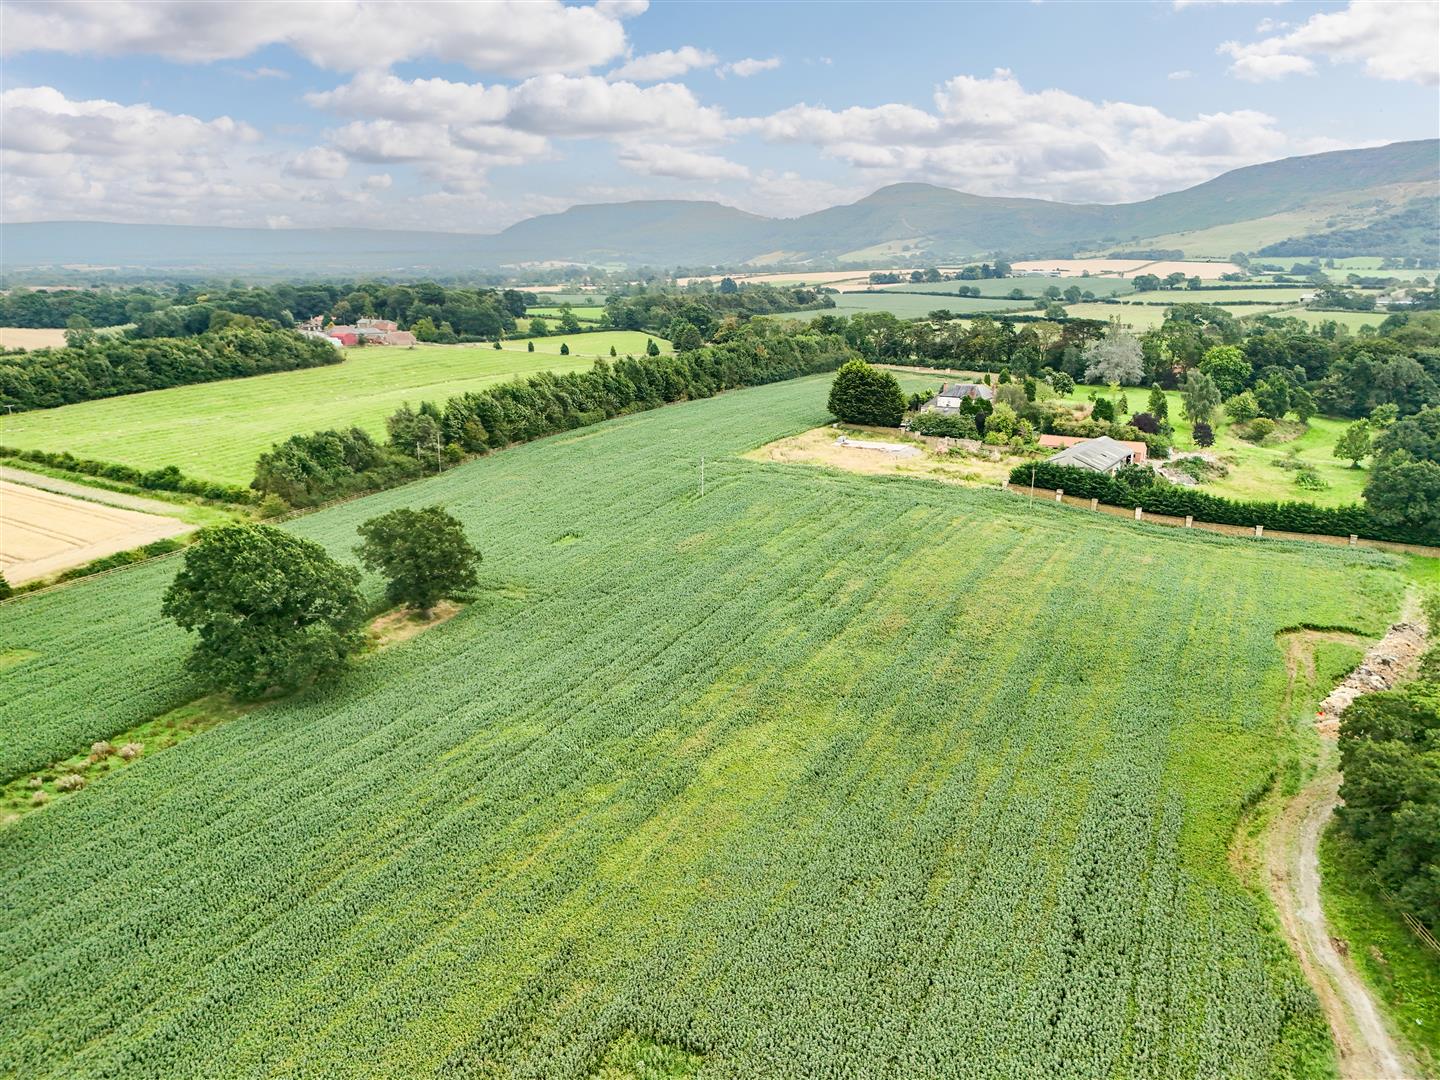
(953, 395)
(1061, 442)
(398, 337)
(384, 326)
(345, 336)
(1104, 455)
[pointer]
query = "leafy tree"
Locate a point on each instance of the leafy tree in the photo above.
(728, 286)
(564, 348)
(1199, 397)
(272, 610)
(1302, 404)
(1227, 365)
(1146, 423)
(79, 332)
(1404, 483)
(1104, 409)
(424, 554)
(415, 432)
(1354, 443)
(569, 324)
(6, 589)
(529, 346)
(1272, 396)
(1158, 404)
(1115, 358)
(1242, 407)
(1203, 434)
(684, 335)
(1031, 389)
(651, 349)
(539, 328)
(862, 394)
(1064, 385)
(1382, 416)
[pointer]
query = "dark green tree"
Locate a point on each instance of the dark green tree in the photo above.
(651, 349)
(564, 348)
(529, 346)
(272, 610)
(6, 589)
(424, 555)
(1403, 487)
(1273, 396)
(1302, 404)
(862, 394)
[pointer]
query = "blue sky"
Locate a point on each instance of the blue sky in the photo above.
(472, 116)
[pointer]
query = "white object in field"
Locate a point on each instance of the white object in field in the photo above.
(898, 449)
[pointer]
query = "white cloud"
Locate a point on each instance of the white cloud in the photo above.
(743, 69)
(514, 37)
(992, 136)
(251, 74)
(664, 65)
(378, 182)
(382, 96)
(101, 159)
(656, 159)
(1176, 76)
(319, 163)
(591, 106)
(1393, 39)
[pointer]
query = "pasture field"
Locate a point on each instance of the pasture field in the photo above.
(1128, 268)
(871, 776)
(1351, 320)
(43, 532)
(1000, 288)
(1278, 294)
(217, 430)
(583, 312)
(1254, 472)
(910, 305)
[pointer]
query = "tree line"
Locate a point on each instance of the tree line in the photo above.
(99, 367)
(309, 469)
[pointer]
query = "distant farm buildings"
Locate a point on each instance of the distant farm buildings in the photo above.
(953, 395)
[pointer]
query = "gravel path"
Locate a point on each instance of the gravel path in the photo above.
(83, 491)
(1367, 1050)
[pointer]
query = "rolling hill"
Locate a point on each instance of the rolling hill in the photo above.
(1387, 197)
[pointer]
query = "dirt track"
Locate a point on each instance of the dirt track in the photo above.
(1366, 1049)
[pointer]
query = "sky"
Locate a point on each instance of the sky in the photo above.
(469, 116)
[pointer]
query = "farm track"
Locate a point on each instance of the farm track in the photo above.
(1364, 1046)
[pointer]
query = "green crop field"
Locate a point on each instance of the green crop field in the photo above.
(910, 305)
(217, 430)
(585, 313)
(1278, 294)
(1351, 320)
(1031, 286)
(815, 775)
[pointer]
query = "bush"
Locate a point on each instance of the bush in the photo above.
(862, 394)
(1178, 501)
(956, 427)
(1257, 430)
(1242, 408)
(1203, 434)
(167, 479)
(6, 590)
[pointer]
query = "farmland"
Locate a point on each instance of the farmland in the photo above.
(43, 532)
(910, 305)
(871, 776)
(216, 430)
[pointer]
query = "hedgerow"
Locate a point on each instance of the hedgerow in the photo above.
(169, 478)
(1160, 497)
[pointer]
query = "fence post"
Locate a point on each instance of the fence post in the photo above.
(1259, 531)
(1004, 484)
(1353, 538)
(1059, 494)
(1189, 521)
(1094, 504)
(1139, 514)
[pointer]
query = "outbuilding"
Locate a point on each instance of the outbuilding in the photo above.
(1102, 455)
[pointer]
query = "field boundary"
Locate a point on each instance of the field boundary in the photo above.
(1049, 495)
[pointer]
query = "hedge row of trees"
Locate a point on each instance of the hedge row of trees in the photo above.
(110, 366)
(669, 312)
(169, 478)
(309, 469)
(1391, 789)
(1139, 486)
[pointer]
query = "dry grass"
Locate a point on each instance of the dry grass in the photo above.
(818, 447)
(25, 337)
(402, 624)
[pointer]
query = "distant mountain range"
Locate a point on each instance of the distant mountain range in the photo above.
(1338, 202)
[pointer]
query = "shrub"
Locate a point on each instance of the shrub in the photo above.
(130, 751)
(956, 427)
(1242, 408)
(70, 782)
(1203, 434)
(1146, 423)
(1257, 430)
(272, 506)
(6, 589)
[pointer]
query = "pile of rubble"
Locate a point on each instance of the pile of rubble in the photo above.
(1384, 666)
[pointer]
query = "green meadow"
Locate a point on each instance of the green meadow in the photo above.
(216, 430)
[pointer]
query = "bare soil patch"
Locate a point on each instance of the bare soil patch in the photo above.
(402, 624)
(819, 446)
(26, 337)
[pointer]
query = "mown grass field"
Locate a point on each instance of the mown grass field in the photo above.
(216, 430)
(814, 775)
(910, 305)
(1000, 288)
(1278, 294)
